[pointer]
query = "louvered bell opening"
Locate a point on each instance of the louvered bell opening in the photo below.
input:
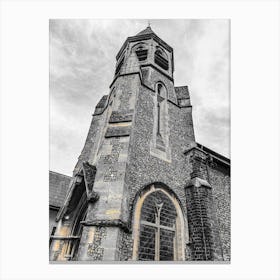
(142, 54)
(161, 61)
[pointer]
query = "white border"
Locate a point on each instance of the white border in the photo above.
(255, 138)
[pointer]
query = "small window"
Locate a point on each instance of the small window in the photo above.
(161, 90)
(161, 59)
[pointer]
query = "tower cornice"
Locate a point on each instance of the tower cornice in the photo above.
(144, 37)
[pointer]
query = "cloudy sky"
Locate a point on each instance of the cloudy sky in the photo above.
(82, 61)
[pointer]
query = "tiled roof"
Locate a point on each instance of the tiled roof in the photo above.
(58, 186)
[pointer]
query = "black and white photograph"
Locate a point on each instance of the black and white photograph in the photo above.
(139, 140)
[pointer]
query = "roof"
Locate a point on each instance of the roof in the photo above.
(58, 187)
(145, 34)
(221, 162)
(146, 31)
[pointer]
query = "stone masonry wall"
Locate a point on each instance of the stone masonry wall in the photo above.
(220, 182)
(92, 142)
(143, 168)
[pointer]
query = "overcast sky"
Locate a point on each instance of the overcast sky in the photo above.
(82, 62)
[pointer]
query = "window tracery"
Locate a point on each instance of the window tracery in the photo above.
(160, 228)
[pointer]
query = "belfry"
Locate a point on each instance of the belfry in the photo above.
(143, 189)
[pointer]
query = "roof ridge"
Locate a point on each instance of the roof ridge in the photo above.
(60, 173)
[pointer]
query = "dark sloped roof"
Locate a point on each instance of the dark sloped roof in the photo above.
(146, 31)
(58, 186)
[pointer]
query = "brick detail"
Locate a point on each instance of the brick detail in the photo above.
(205, 243)
(198, 200)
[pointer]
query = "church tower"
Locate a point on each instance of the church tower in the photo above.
(141, 188)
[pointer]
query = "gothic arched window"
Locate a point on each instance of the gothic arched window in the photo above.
(141, 52)
(159, 230)
(161, 59)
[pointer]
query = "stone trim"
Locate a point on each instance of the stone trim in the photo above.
(118, 131)
(198, 182)
(144, 85)
(195, 148)
(181, 234)
(71, 237)
(108, 223)
(121, 116)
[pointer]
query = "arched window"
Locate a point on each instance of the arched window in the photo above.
(141, 52)
(160, 228)
(161, 90)
(161, 58)
(161, 112)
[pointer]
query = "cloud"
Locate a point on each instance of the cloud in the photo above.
(82, 62)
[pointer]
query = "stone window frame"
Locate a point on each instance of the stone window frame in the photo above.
(160, 146)
(180, 223)
(161, 121)
(161, 58)
(141, 47)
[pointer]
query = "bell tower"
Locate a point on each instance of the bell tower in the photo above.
(127, 198)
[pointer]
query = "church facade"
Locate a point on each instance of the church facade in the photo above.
(143, 189)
